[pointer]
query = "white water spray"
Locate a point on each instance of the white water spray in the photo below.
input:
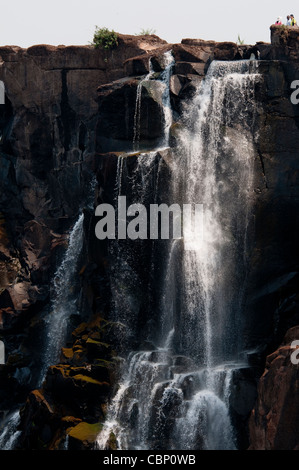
(9, 434)
(64, 299)
(178, 394)
(165, 98)
(137, 114)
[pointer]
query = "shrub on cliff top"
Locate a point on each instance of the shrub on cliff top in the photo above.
(105, 38)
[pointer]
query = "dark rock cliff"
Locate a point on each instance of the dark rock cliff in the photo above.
(68, 112)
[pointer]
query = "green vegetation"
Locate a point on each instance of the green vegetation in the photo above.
(146, 32)
(239, 40)
(105, 38)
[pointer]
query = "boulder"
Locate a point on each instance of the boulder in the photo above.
(225, 51)
(191, 53)
(83, 436)
(187, 68)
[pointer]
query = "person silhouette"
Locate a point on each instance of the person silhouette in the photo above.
(293, 21)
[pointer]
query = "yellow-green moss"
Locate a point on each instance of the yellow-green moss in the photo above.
(85, 378)
(112, 442)
(97, 343)
(85, 432)
(68, 353)
(80, 329)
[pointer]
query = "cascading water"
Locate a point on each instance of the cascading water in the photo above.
(64, 299)
(9, 433)
(142, 183)
(165, 95)
(169, 61)
(176, 395)
(63, 305)
(218, 151)
(137, 114)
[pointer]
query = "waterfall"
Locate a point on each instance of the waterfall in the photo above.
(143, 182)
(64, 298)
(165, 101)
(175, 394)
(63, 306)
(216, 146)
(169, 61)
(137, 113)
(9, 435)
(205, 421)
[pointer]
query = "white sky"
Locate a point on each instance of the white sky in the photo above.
(28, 22)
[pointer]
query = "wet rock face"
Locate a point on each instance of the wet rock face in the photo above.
(274, 420)
(272, 298)
(119, 115)
(272, 302)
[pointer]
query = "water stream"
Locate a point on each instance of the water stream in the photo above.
(176, 394)
(165, 100)
(64, 298)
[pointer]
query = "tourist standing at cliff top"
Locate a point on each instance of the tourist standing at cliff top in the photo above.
(293, 21)
(289, 21)
(279, 22)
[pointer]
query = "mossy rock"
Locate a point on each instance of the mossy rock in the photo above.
(97, 349)
(112, 442)
(97, 343)
(85, 433)
(85, 379)
(99, 362)
(67, 353)
(82, 328)
(77, 347)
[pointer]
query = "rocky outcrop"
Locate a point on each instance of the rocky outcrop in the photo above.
(274, 420)
(71, 404)
(272, 305)
(272, 294)
(284, 41)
